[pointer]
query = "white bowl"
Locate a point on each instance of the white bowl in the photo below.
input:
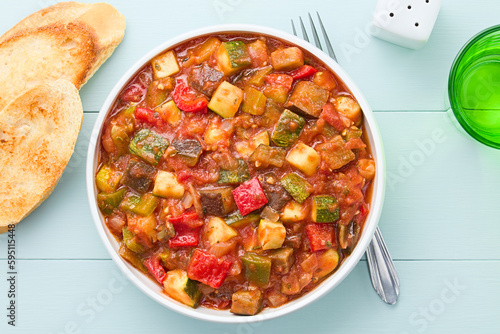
(151, 288)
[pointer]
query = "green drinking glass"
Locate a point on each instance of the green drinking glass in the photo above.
(474, 87)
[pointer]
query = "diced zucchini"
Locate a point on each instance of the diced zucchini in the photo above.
(254, 101)
(165, 65)
(237, 220)
(142, 225)
(189, 149)
(282, 259)
(235, 176)
(287, 59)
(308, 98)
(169, 113)
(226, 100)
(247, 302)
(218, 231)
(296, 186)
(325, 80)
(260, 138)
(138, 175)
(259, 76)
(334, 153)
(265, 155)
(107, 179)
(232, 57)
(131, 257)
(304, 158)
(271, 234)
(288, 129)
(180, 287)
(149, 146)
(144, 205)
(166, 185)
(257, 268)
(325, 209)
(347, 106)
(217, 201)
(130, 241)
(327, 262)
(107, 202)
(294, 212)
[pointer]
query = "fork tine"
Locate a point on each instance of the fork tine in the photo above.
(304, 32)
(293, 28)
(314, 32)
(327, 40)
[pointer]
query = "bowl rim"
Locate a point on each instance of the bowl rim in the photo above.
(377, 199)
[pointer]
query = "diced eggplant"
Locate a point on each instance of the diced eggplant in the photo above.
(232, 57)
(144, 205)
(226, 100)
(304, 158)
(287, 59)
(189, 149)
(218, 231)
(325, 209)
(235, 176)
(288, 129)
(308, 98)
(265, 155)
(181, 288)
(149, 146)
(296, 186)
(335, 154)
(282, 259)
(271, 234)
(107, 202)
(257, 268)
(138, 176)
(165, 65)
(167, 186)
(254, 101)
(217, 201)
(205, 79)
(276, 194)
(247, 302)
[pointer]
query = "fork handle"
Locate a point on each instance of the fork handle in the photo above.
(383, 274)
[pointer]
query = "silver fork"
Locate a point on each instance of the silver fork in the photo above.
(383, 274)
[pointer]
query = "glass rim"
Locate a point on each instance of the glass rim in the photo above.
(451, 87)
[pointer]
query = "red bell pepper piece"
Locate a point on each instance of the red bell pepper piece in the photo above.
(208, 268)
(321, 236)
(332, 117)
(303, 72)
(280, 79)
(249, 196)
(187, 230)
(153, 264)
(187, 99)
(134, 93)
(149, 116)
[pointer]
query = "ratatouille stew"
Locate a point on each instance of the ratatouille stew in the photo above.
(233, 170)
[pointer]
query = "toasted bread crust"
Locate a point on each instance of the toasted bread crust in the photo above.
(38, 132)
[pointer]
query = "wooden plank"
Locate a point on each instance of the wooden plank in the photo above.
(391, 77)
(92, 296)
(441, 200)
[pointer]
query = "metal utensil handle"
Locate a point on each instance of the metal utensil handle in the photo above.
(383, 274)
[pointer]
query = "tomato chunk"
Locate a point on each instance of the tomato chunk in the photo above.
(134, 93)
(187, 230)
(249, 196)
(279, 79)
(321, 236)
(303, 72)
(149, 116)
(187, 99)
(153, 264)
(332, 117)
(208, 269)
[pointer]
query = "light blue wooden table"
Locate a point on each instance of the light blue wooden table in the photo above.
(441, 218)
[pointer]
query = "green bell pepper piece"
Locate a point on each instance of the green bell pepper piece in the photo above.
(144, 205)
(130, 241)
(107, 202)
